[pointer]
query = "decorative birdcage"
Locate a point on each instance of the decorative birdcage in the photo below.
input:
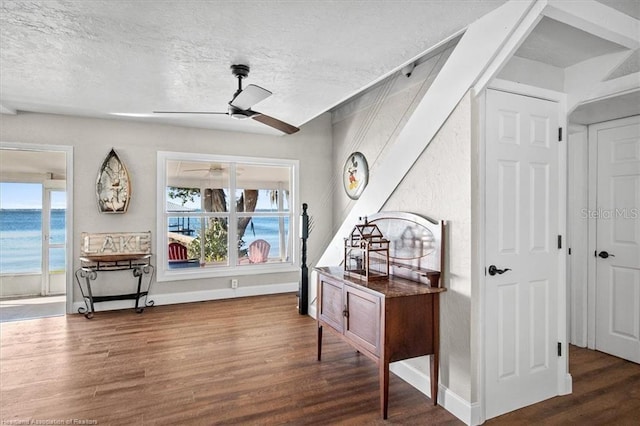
(366, 253)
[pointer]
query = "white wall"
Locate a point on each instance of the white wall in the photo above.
(437, 186)
(371, 122)
(137, 144)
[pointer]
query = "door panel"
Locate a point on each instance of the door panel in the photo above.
(539, 325)
(618, 233)
(623, 309)
(539, 198)
(508, 342)
(509, 206)
(331, 304)
(363, 322)
(522, 225)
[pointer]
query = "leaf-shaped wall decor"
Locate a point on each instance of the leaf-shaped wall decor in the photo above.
(113, 187)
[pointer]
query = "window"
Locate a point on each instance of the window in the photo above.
(221, 215)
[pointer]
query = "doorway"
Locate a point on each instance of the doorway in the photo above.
(35, 228)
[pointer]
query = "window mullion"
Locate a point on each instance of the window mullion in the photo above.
(233, 218)
(283, 242)
(203, 219)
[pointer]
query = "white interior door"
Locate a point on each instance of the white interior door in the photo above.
(617, 220)
(521, 233)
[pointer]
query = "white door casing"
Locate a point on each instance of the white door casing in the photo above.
(68, 187)
(615, 151)
(52, 281)
(46, 234)
(521, 230)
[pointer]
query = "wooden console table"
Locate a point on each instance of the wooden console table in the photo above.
(139, 264)
(386, 320)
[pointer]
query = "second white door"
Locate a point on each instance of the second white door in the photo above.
(616, 149)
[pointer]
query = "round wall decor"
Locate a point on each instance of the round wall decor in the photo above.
(355, 175)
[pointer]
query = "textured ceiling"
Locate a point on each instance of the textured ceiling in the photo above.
(561, 45)
(32, 162)
(103, 58)
(98, 58)
(629, 7)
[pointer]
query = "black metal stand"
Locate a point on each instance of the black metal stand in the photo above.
(303, 293)
(89, 272)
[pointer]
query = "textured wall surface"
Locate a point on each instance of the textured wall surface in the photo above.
(137, 145)
(439, 186)
(371, 122)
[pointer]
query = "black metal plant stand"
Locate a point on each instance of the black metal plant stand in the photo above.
(140, 267)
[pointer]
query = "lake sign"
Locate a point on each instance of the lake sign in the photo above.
(115, 243)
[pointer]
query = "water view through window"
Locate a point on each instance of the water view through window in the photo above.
(225, 214)
(21, 229)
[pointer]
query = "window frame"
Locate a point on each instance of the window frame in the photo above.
(232, 268)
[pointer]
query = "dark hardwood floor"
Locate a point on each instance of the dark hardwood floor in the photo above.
(606, 391)
(243, 361)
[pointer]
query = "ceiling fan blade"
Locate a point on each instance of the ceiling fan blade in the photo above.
(250, 96)
(191, 112)
(275, 123)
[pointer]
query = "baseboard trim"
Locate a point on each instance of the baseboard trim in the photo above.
(450, 401)
(312, 312)
(568, 385)
(196, 296)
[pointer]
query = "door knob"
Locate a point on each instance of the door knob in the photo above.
(603, 254)
(493, 270)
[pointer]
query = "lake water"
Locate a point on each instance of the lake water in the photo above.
(260, 227)
(21, 240)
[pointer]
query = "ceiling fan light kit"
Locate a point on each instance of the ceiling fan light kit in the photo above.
(238, 113)
(242, 101)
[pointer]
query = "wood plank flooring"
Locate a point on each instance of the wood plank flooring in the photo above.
(242, 361)
(606, 391)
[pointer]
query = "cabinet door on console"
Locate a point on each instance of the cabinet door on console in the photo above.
(331, 305)
(363, 321)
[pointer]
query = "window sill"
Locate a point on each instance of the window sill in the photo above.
(193, 273)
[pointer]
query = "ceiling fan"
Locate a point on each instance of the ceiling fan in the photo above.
(213, 169)
(242, 101)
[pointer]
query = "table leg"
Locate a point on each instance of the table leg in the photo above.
(384, 387)
(148, 270)
(81, 274)
(88, 278)
(319, 342)
(434, 378)
(434, 359)
(137, 272)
